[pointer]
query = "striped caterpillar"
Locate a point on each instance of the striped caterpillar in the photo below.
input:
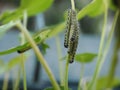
(68, 26)
(71, 34)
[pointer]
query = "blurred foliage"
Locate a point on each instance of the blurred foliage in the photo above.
(95, 6)
(93, 9)
(83, 57)
(32, 7)
(51, 88)
(5, 67)
(4, 28)
(102, 81)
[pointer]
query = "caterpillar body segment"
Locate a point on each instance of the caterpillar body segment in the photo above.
(71, 58)
(75, 26)
(72, 50)
(70, 47)
(66, 41)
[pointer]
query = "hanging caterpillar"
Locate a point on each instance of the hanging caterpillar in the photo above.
(71, 34)
(68, 26)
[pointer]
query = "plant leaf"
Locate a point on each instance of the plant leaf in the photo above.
(31, 6)
(38, 39)
(12, 63)
(51, 31)
(4, 28)
(93, 9)
(56, 30)
(112, 5)
(51, 88)
(85, 57)
(44, 47)
(101, 83)
(2, 66)
(35, 6)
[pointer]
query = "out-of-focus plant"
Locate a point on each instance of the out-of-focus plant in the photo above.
(29, 8)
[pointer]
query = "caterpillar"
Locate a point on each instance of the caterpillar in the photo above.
(67, 32)
(71, 35)
(73, 25)
(27, 46)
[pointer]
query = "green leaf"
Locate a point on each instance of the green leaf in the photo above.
(93, 9)
(32, 7)
(35, 6)
(4, 28)
(85, 57)
(2, 66)
(101, 83)
(112, 6)
(44, 47)
(12, 63)
(56, 30)
(51, 88)
(63, 58)
(7, 16)
(52, 31)
(38, 38)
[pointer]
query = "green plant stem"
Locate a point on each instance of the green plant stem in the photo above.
(102, 58)
(66, 74)
(25, 20)
(17, 80)
(113, 66)
(100, 54)
(114, 60)
(81, 76)
(39, 55)
(22, 55)
(73, 4)
(60, 61)
(5, 83)
(24, 72)
(67, 62)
